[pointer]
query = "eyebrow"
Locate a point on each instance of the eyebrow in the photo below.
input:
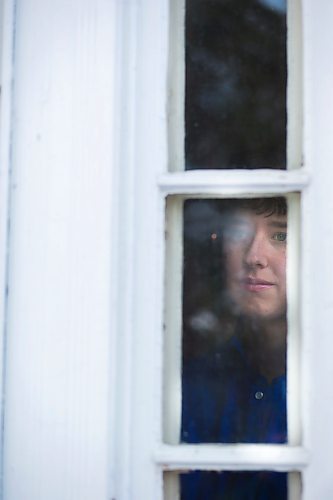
(281, 225)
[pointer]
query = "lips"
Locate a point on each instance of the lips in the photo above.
(256, 285)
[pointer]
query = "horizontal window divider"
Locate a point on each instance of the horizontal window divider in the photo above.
(232, 457)
(233, 182)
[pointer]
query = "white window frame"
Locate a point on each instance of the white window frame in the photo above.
(147, 457)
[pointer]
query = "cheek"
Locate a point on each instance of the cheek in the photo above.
(233, 261)
(281, 269)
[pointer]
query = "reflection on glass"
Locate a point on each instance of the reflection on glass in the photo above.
(235, 95)
(263, 485)
(234, 321)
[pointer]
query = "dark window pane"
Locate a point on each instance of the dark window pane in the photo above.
(235, 96)
(263, 485)
(234, 321)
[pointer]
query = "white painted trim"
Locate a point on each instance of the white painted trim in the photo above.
(123, 259)
(232, 457)
(171, 486)
(59, 342)
(173, 321)
(7, 22)
(317, 241)
(294, 85)
(233, 182)
(294, 486)
(141, 155)
(294, 334)
(176, 86)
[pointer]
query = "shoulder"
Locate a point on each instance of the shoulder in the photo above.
(227, 357)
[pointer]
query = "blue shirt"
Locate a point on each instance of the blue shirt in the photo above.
(226, 401)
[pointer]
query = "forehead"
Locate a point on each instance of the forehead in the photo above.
(248, 216)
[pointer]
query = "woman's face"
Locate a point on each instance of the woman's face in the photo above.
(255, 252)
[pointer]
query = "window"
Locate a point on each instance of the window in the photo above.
(157, 452)
(209, 396)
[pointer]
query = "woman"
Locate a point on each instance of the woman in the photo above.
(236, 393)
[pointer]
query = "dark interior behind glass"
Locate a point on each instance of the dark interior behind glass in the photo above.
(209, 485)
(236, 79)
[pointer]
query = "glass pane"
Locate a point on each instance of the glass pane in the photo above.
(234, 321)
(263, 485)
(232, 485)
(236, 79)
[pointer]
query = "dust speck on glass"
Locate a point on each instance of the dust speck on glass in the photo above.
(236, 79)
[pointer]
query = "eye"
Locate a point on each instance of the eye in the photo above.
(280, 236)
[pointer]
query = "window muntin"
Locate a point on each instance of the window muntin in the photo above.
(235, 84)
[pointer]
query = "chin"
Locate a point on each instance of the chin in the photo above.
(260, 313)
(265, 317)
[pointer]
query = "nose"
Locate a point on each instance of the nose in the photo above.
(256, 252)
